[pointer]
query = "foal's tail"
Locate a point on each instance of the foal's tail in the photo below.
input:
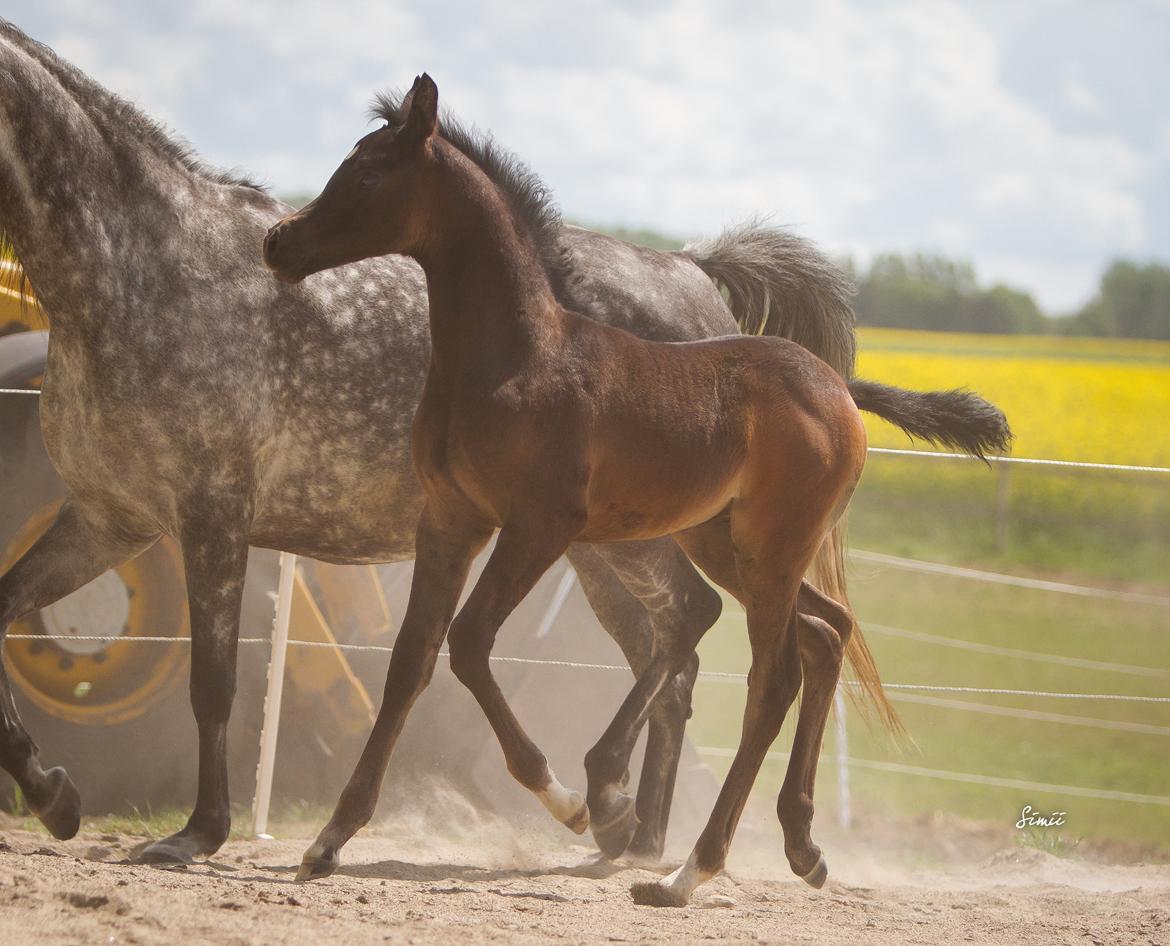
(957, 419)
(779, 284)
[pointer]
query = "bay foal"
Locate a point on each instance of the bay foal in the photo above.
(555, 429)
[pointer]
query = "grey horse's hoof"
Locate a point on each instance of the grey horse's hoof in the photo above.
(614, 833)
(62, 815)
(316, 868)
(645, 849)
(816, 877)
(165, 853)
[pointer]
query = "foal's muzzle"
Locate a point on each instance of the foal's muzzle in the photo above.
(276, 242)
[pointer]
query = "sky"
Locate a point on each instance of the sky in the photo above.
(1030, 138)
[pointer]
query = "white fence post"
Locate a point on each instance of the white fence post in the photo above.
(844, 809)
(560, 596)
(271, 725)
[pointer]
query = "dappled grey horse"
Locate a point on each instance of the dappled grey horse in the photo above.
(188, 394)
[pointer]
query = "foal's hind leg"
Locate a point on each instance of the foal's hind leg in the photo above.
(825, 627)
(770, 558)
(522, 554)
(443, 555)
(670, 607)
(72, 552)
(823, 630)
(772, 685)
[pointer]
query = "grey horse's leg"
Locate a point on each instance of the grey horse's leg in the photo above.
(214, 541)
(654, 603)
(72, 552)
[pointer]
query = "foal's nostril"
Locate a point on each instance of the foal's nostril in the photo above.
(271, 240)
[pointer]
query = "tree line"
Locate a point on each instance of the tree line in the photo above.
(931, 292)
(924, 291)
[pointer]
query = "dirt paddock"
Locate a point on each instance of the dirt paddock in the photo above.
(494, 886)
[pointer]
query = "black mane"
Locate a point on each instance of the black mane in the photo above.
(528, 197)
(106, 108)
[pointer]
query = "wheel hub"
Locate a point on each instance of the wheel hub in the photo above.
(99, 609)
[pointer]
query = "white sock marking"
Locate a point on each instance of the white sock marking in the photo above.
(685, 879)
(560, 801)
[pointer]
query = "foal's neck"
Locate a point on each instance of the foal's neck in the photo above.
(491, 303)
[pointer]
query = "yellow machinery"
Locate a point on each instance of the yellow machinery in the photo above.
(70, 686)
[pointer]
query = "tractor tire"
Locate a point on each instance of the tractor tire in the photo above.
(116, 714)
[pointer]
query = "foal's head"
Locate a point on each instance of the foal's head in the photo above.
(377, 202)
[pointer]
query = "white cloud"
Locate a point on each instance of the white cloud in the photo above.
(1080, 97)
(873, 127)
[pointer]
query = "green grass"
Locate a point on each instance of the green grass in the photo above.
(957, 740)
(1099, 400)
(1090, 526)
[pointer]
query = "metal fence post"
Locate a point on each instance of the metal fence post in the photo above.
(271, 724)
(844, 808)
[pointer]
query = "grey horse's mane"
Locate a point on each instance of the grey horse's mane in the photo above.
(121, 122)
(528, 197)
(119, 119)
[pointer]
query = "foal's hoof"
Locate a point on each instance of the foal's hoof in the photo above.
(654, 893)
(578, 821)
(816, 877)
(614, 833)
(62, 814)
(317, 868)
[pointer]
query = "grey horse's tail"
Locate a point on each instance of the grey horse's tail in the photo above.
(780, 284)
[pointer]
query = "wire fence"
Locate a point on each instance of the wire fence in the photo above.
(910, 692)
(879, 765)
(929, 454)
(715, 675)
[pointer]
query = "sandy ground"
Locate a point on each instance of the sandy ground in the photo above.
(499, 885)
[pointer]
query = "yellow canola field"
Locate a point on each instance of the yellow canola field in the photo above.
(1098, 400)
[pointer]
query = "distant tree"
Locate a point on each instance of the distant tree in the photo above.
(1001, 310)
(934, 293)
(915, 292)
(1133, 301)
(940, 294)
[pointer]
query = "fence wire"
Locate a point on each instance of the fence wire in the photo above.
(718, 675)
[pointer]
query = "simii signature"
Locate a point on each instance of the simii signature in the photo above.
(1029, 818)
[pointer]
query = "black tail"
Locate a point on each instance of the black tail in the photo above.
(780, 284)
(957, 419)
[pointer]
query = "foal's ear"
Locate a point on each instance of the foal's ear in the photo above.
(421, 106)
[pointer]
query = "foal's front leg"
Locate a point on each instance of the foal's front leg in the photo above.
(443, 555)
(522, 554)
